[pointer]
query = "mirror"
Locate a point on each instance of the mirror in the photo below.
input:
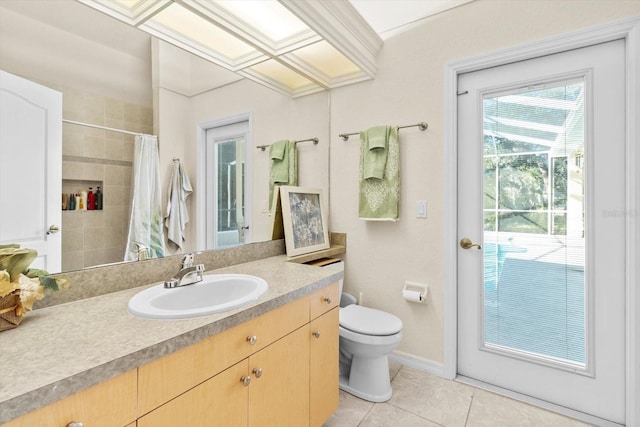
(116, 76)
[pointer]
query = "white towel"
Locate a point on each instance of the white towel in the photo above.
(145, 223)
(177, 215)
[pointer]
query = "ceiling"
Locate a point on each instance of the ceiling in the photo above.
(313, 46)
(389, 17)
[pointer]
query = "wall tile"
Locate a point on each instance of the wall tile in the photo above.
(72, 170)
(93, 257)
(72, 141)
(113, 149)
(113, 175)
(85, 235)
(92, 172)
(113, 196)
(115, 216)
(94, 146)
(93, 238)
(72, 261)
(72, 240)
(71, 220)
(114, 238)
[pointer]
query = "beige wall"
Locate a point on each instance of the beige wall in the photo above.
(273, 117)
(43, 52)
(409, 87)
(172, 115)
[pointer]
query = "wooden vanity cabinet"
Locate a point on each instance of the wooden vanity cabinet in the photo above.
(174, 374)
(220, 401)
(323, 368)
(276, 394)
(289, 380)
(323, 355)
(111, 403)
(279, 395)
(279, 369)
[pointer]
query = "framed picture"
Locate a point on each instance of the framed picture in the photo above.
(305, 227)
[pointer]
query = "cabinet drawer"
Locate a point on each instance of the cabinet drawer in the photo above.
(324, 300)
(172, 375)
(110, 403)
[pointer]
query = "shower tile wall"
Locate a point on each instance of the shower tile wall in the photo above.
(94, 157)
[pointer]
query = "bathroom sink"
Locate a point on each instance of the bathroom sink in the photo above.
(214, 294)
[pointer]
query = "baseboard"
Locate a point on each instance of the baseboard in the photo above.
(410, 361)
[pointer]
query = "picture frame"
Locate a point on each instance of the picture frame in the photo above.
(304, 222)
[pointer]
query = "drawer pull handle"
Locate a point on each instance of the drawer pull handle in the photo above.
(327, 300)
(316, 334)
(75, 424)
(257, 372)
(246, 380)
(252, 339)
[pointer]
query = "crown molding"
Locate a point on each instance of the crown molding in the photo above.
(337, 22)
(341, 25)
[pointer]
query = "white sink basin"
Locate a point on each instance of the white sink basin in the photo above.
(214, 294)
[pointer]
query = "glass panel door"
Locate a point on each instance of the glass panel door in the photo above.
(540, 164)
(228, 189)
(230, 167)
(534, 295)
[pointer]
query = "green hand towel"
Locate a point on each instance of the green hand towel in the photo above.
(379, 198)
(277, 150)
(375, 142)
(283, 171)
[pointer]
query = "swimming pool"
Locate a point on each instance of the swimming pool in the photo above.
(533, 306)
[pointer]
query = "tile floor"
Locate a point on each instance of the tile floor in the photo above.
(424, 400)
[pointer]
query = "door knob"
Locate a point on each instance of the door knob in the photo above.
(53, 229)
(466, 243)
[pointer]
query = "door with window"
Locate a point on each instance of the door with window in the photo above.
(541, 275)
(227, 185)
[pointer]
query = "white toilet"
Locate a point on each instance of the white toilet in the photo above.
(367, 336)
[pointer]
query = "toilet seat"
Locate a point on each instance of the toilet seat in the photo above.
(369, 321)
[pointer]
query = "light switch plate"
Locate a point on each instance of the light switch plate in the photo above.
(421, 209)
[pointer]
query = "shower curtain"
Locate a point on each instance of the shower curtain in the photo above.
(145, 224)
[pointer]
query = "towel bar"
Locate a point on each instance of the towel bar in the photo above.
(421, 125)
(315, 142)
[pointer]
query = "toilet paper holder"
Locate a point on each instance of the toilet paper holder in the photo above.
(415, 292)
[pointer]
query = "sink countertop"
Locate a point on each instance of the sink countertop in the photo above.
(60, 350)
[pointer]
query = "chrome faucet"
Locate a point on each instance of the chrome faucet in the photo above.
(142, 252)
(188, 274)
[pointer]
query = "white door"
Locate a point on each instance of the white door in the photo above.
(228, 194)
(31, 168)
(541, 178)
